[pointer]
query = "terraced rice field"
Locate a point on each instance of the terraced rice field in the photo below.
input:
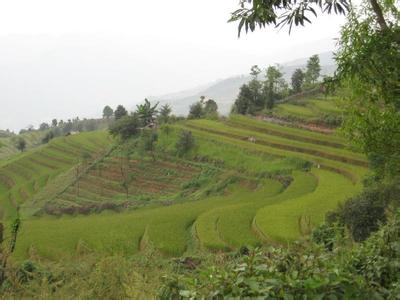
(145, 180)
(32, 138)
(308, 109)
(257, 207)
(22, 176)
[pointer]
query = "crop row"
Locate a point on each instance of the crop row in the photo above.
(282, 143)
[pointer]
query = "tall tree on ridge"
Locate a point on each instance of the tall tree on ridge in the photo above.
(297, 80)
(313, 70)
(107, 112)
(120, 112)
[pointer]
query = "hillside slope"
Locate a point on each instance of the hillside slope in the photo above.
(228, 192)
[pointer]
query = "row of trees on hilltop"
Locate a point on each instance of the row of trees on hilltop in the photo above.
(203, 109)
(146, 116)
(262, 92)
(141, 125)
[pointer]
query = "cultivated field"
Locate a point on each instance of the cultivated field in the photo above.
(247, 182)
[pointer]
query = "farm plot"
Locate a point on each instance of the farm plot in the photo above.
(23, 176)
(120, 180)
(331, 153)
(250, 208)
(235, 223)
(308, 109)
(215, 228)
(167, 228)
(330, 140)
(32, 138)
(287, 220)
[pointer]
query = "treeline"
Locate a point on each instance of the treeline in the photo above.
(268, 86)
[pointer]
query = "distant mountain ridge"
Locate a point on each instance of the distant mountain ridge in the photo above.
(225, 91)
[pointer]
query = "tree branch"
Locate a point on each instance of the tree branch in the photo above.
(379, 14)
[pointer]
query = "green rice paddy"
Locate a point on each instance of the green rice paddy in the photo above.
(226, 193)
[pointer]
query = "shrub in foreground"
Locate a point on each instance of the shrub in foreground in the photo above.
(370, 270)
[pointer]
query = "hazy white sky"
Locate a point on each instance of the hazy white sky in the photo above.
(67, 58)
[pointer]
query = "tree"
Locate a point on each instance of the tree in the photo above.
(165, 112)
(368, 62)
(273, 85)
(149, 139)
(54, 123)
(68, 126)
(20, 144)
(107, 112)
(244, 102)
(125, 127)
(120, 112)
(297, 80)
(313, 70)
(253, 13)
(256, 88)
(49, 136)
(210, 107)
(44, 126)
(147, 113)
(185, 142)
(196, 111)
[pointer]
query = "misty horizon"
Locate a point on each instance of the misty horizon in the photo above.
(74, 69)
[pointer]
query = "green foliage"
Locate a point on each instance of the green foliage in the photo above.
(274, 86)
(185, 142)
(369, 67)
(211, 109)
(243, 104)
(261, 13)
(313, 71)
(297, 80)
(304, 270)
(120, 112)
(203, 109)
(107, 112)
(363, 213)
(147, 113)
(196, 111)
(43, 126)
(165, 114)
(48, 137)
(125, 127)
(257, 95)
(20, 144)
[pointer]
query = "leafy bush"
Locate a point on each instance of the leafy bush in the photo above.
(303, 271)
(363, 214)
(185, 142)
(125, 127)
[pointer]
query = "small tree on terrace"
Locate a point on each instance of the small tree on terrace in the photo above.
(120, 112)
(126, 127)
(20, 144)
(255, 87)
(297, 80)
(148, 141)
(210, 108)
(54, 123)
(107, 112)
(165, 113)
(244, 102)
(185, 142)
(196, 110)
(44, 126)
(146, 112)
(313, 70)
(273, 85)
